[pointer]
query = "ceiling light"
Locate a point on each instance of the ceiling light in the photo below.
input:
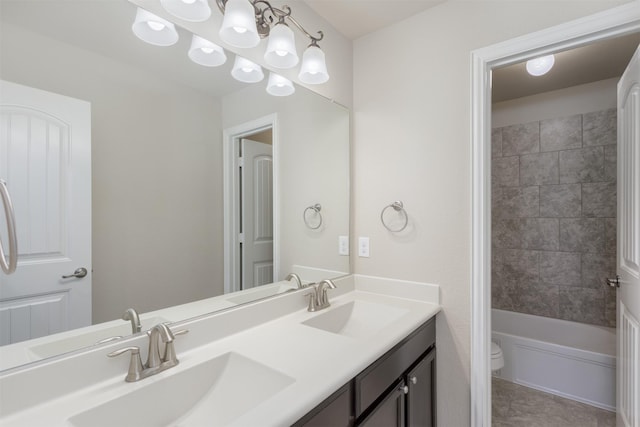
(279, 86)
(205, 53)
(539, 66)
(314, 68)
(239, 24)
(189, 10)
(153, 29)
(246, 71)
(281, 50)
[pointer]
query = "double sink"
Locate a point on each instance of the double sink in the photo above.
(200, 394)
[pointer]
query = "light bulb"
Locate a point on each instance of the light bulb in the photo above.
(540, 66)
(314, 68)
(279, 86)
(246, 71)
(239, 24)
(281, 49)
(156, 26)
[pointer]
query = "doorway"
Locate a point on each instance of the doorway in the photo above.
(250, 211)
(613, 23)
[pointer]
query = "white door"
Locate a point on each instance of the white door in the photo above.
(257, 214)
(628, 296)
(45, 158)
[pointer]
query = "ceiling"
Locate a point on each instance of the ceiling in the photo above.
(355, 18)
(598, 61)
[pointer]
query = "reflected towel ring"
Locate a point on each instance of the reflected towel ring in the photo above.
(397, 206)
(315, 208)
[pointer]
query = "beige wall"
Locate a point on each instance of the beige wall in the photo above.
(313, 167)
(412, 124)
(157, 180)
(579, 99)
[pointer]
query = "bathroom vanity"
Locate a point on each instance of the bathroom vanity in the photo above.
(396, 390)
(368, 359)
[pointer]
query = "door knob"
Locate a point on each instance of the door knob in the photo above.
(78, 274)
(614, 283)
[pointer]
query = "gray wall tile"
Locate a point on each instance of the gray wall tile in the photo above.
(513, 265)
(505, 171)
(599, 128)
(610, 235)
(599, 199)
(582, 234)
(541, 300)
(564, 200)
(583, 165)
(496, 142)
(596, 268)
(582, 305)
(539, 169)
(560, 268)
(505, 233)
(610, 162)
(516, 202)
(521, 139)
(561, 133)
(540, 234)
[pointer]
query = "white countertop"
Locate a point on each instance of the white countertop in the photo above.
(316, 362)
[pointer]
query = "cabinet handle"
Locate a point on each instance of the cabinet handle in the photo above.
(414, 380)
(404, 389)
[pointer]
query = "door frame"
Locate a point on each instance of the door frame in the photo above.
(610, 23)
(230, 139)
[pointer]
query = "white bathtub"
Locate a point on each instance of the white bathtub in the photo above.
(569, 359)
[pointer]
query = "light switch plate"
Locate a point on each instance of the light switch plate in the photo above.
(343, 245)
(363, 247)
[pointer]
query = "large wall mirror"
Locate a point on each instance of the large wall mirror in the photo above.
(205, 192)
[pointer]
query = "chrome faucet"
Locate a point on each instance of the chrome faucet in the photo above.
(156, 363)
(318, 298)
(132, 316)
(296, 278)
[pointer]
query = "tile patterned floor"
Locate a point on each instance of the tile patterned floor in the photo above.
(513, 405)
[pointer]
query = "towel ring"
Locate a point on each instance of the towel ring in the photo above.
(397, 206)
(316, 209)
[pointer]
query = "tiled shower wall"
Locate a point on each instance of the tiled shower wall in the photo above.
(553, 217)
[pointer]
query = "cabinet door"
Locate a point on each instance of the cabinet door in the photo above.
(421, 397)
(390, 411)
(336, 411)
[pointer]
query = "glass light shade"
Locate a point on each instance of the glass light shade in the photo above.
(239, 24)
(539, 66)
(279, 86)
(314, 68)
(188, 10)
(246, 71)
(281, 50)
(205, 53)
(153, 29)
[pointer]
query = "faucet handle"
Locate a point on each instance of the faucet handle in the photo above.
(170, 359)
(135, 363)
(313, 297)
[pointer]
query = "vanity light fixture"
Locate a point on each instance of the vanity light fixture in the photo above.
(153, 29)
(246, 71)
(279, 86)
(188, 10)
(540, 66)
(245, 22)
(204, 52)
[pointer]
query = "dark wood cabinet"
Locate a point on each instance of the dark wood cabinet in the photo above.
(398, 389)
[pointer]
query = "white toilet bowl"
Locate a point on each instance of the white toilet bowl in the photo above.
(497, 359)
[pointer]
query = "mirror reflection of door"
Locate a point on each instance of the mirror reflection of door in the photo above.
(256, 210)
(45, 158)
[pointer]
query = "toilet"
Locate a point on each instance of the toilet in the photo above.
(497, 359)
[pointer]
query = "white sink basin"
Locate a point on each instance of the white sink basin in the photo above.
(356, 319)
(264, 291)
(211, 393)
(91, 337)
